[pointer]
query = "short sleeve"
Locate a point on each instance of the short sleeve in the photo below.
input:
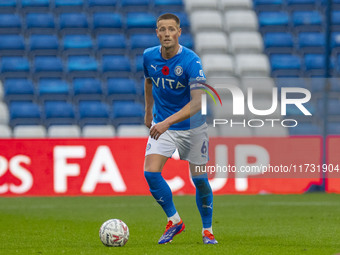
(196, 74)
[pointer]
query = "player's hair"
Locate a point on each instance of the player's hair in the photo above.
(169, 16)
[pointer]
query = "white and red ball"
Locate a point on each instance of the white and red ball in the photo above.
(114, 233)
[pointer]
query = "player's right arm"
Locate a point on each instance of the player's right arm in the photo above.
(148, 102)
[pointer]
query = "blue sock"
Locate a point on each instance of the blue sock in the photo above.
(204, 199)
(161, 191)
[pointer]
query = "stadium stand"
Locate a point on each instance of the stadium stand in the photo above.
(91, 50)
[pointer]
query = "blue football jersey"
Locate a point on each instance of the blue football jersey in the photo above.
(171, 81)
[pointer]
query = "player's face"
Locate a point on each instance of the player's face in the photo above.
(168, 32)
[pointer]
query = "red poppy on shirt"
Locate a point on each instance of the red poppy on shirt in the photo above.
(165, 70)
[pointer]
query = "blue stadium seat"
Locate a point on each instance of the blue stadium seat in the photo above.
(168, 5)
(140, 22)
(14, 64)
(24, 113)
(59, 112)
(35, 3)
(87, 88)
(311, 42)
(267, 5)
(274, 21)
(278, 42)
(186, 40)
(18, 89)
(185, 23)
(294, 5)
(93, 113)
(53, 89)
(307, 20)
(285, 64)
(335, 42)
(12, 44)
(73, 22)
(139, 68)
(294, 112)
(107, 22)
(121, 89)
(43, 44)
(10, 23)
(335, 20)
(117, 65)
(77, 44)
(102, 3)
(315, 64)
(81, 63)
(8, 3)
(111, 44)
(48, 64)
(334, 107)
(40, 22)
(139, 42)
(64, 5)
(133, 5)
(127, 113)
(305, 129)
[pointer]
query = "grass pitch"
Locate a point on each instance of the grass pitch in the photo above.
(267, 224)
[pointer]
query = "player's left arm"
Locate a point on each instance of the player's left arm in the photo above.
(186, 112)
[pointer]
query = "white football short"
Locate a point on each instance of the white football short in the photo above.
(192, 144)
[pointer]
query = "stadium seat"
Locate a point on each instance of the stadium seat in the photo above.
(35, 5)
(307, 21)
(64, 131)
(5, 131)
(335, 20)
(73, 22)
(111, 44)
(68, 5)
(59, 112)
(127, 113)
(41, 44)
(278, 42)
(22, 113)
(140, 22)
(48, 64)
(133, 5)
(4, 113)
(168, 6)
(29, 131)
(240, 20)
(87, 88)
(314, 64)
(19, 89)
(81, 63)
(107, 131)
(39, 22)
(293, 5)
(260, 85)
(139, 67)
(102, 4)
(107, 22)
(10, 23)
(236, 4)
(285, 64)
(311, 42)
(193, 5)
(206, 21)
(268, 5)
(8, 4)
(116, 65)
(139, 42)
(211, 42)
(132, 131)
(79, 41)
(93, 113)
(185, 22)
(246, 42)
(220, 65)
(334, 107)
(305, 129)
(16, 65)
(274, 21)
(255, 65)
(53, 89)
(186, 40)
(121, 89)
(12, 44)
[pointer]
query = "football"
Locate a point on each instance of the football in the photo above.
(114, 233)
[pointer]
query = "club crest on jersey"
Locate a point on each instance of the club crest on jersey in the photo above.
(178, 70)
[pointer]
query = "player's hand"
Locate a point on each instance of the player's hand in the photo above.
(158, 129)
